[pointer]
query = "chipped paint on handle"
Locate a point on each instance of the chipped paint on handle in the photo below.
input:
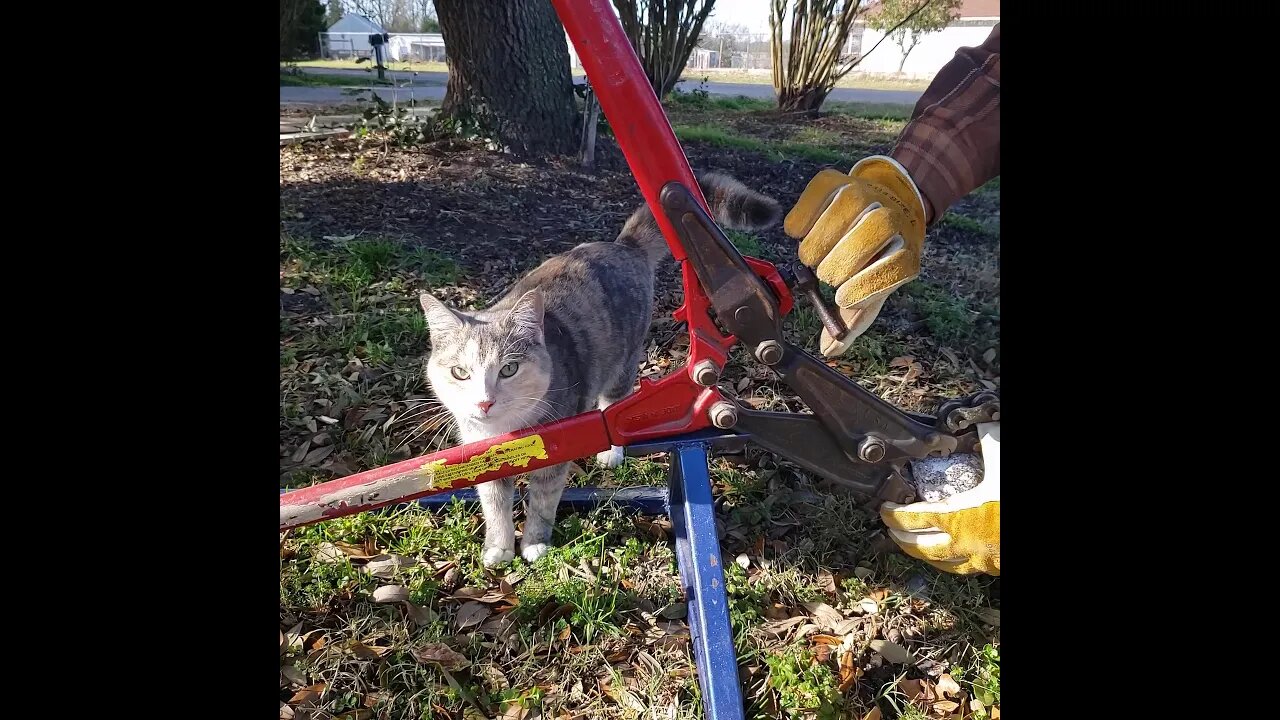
(498, 457)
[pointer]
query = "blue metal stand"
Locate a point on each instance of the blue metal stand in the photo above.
(702, 574)
(688, 501)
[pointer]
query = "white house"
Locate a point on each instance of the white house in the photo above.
(934, 50)
(349, 37)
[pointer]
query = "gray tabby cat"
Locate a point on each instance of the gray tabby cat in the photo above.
(567, 338)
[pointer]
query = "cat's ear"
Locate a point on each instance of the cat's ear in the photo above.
(440, 319)
(526, 316)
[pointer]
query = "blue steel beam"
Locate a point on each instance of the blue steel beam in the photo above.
(702, 575)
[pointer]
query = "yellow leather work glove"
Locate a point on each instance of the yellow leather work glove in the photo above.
(861, 233)
(961, 534)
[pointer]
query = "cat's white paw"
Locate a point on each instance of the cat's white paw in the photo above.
(611, 458)
(496, 556)
(531, 553)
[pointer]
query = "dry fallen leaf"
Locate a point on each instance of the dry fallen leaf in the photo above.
(442, 655)
(366, 652)
(356, 552)
(328, 552)
(780, 627)
(294, 675)
(827, 582)
(948, 686)
(823, 613)
(385, 566)
(397, 594)
(805, 630)
(917, 690)
(308, 694)
(849, 672)
(893, 652)
(471, 613)
(990, 616)
(315, 456)
(844, 627)
(944, 707)
(292, 638)
(873, 715)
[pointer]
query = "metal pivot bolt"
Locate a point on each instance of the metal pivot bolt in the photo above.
(769, 352)
(724, 415)
(871, 450)
(706, 373)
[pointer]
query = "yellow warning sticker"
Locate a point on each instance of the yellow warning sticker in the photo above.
(516, 453)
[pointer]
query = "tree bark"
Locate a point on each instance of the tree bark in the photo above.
(906, 49)
(808, 100)
(509, 73)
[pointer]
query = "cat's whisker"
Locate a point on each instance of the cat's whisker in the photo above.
(425, 427)
(446, 429)
(420, 413)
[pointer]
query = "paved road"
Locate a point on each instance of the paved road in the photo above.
(432, 85)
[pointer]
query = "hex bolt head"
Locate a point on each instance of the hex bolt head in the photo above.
(724, 415)
(706, 373)
(769, 352)
(871, 450)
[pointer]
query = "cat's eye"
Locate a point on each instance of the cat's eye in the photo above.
(509, 369)
(459, 373)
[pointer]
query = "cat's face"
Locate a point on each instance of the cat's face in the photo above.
(490, 368)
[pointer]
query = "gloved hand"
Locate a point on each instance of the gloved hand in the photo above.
(960, 534)
(861, 233)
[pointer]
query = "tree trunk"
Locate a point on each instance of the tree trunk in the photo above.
(807, 100)
(663, 33)
(509, 72)
(906, 51)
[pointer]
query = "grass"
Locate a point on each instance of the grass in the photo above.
(841, 135)
(320, 80)
(866, 82)
(704, 101)
(778, 150)
(353, 65)
(598, 628)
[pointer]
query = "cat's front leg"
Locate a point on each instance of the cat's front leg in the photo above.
(614, 456)
(541, 502)
(499, 528)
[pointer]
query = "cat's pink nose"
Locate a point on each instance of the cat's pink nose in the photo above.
(484, 406)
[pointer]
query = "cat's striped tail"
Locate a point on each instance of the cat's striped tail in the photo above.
(734, 205)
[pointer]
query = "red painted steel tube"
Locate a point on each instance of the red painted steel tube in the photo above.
(458, 467)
